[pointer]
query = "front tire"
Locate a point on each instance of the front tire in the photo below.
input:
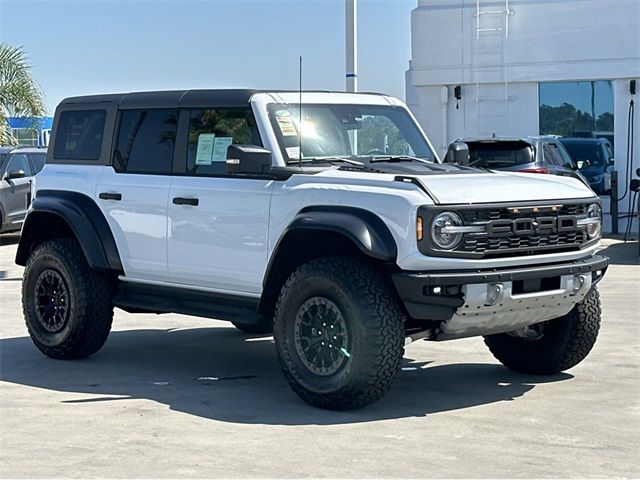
(339, 333)
(563, 343)
(67, 306)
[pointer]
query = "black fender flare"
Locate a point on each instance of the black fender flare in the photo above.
(84, 218)
(364, 228)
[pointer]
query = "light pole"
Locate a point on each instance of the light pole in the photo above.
(351, 29)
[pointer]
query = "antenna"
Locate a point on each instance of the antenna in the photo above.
(300, 118)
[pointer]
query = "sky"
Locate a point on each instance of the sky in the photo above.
(80, 47)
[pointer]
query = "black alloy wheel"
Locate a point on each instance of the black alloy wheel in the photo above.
(51, 301)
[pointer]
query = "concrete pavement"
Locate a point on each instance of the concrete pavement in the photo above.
(177, 396)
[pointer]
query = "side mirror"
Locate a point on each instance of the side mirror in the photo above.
(582, 163)
(13, 174)
(248, 160)
(458, 153)
(611, 161)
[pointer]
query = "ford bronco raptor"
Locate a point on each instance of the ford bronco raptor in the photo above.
(326, 218)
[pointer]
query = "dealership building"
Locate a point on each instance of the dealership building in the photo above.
(525, 67)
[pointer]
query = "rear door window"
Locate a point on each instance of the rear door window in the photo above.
(146, 141)
(79, 135)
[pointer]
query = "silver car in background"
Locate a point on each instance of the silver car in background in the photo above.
(18, 166)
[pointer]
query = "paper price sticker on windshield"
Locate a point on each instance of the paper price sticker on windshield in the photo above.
(204, 150)
(293, 152)
(286, 125)
(220, 145)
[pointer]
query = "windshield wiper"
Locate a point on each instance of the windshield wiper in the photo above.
(331, 160)
(397, 158)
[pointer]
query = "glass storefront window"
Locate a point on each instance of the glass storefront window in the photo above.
(577, 109)
(582, 114)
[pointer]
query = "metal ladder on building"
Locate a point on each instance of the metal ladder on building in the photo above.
(491, 56)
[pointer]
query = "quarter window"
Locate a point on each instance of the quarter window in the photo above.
(146, 141)
(79, 135)
(38, 160)
(210, 134)
(552, 155)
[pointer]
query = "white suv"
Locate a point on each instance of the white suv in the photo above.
(331, 222)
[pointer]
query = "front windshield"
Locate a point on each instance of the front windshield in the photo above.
(346, 131)
(586, 151)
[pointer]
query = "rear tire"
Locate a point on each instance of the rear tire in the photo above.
(339, 333)
(564, 343)
(67, 306)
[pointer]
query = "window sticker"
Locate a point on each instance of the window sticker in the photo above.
(205, 148)
(293, 152)
(220, 145)
(286, 125)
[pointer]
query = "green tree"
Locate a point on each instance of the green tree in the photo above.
(20, 95)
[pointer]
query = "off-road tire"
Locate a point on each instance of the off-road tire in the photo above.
(374, 319)
(566, 341)
(90, 307)
(263, 327)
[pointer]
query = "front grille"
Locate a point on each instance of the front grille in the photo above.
(514, 230)
(482, 215)
(511, 244)
(485, 245)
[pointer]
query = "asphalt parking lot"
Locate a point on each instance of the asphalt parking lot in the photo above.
(177, 396)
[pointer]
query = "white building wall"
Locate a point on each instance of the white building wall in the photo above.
(499, 71)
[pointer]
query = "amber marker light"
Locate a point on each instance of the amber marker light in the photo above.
(419, 230)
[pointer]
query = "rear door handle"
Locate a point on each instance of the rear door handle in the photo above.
(110, 196)
(186, 201)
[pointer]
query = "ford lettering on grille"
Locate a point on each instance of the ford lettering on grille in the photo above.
(532, 226)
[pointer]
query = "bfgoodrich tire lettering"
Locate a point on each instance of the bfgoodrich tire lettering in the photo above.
(371, 332)
(58, 270)
(565, 341)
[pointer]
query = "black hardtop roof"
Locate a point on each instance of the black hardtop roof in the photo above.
(181, 98)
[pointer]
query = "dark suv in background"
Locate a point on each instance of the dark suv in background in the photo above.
(533, 154)
(594, 157)
(17, 168)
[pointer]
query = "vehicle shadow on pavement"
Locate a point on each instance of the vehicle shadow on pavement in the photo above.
(221, 374)
(622, 253)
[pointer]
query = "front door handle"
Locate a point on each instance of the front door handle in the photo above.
(110, 196)
(186, 201)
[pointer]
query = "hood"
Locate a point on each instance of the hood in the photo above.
(502, 187)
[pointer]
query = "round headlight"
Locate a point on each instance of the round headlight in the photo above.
(594, 228)
(440, 235)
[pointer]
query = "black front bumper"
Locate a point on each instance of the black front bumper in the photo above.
(422, 303)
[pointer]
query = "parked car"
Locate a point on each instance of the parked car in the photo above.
(594, 158)
(17, 169)
(533, 154)
(246, 206)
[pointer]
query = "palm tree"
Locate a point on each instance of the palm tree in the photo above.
(20, 95)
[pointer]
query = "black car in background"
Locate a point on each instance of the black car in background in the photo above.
(593, 157)
(533, 154)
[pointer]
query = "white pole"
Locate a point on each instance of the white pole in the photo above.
(351, 29)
